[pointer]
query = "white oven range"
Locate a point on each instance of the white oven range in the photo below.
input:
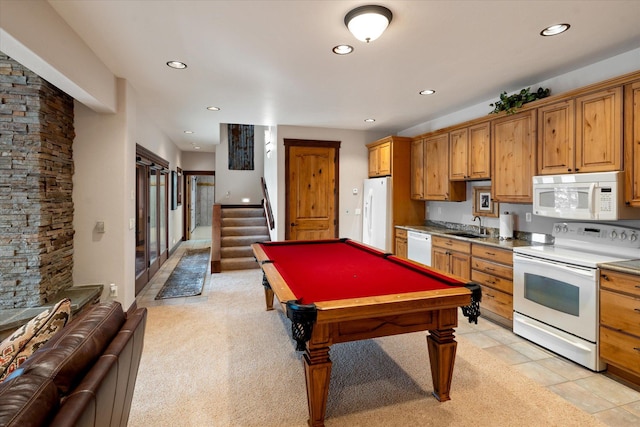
(555, 287)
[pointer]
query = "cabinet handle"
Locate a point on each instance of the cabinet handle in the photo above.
(637, 309)
(490, 269)
(489, 295)
(569, 170)
(605, 277)
(636, 348)
(577, 169)
(491, 253)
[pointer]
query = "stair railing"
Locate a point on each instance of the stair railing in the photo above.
(216, 238)
(266, 203)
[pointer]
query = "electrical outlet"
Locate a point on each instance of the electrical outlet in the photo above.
(527, 216)
(113, 290)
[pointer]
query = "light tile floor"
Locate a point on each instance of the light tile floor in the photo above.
(612, 402)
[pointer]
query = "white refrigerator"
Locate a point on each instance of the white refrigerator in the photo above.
(377, 221)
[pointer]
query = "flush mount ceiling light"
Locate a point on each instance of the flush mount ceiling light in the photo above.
(177, 65)
(367, 23)
(188, 132)
(427, 92)
(369, 120)
(213, 108)
(343, 49)
(554, 30)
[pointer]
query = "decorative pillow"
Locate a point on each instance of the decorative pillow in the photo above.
(17, 347)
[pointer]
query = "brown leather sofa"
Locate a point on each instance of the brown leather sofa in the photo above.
(83, 376)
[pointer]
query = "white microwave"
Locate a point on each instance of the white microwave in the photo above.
(584, 196)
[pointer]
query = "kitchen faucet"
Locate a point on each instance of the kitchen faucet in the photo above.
(481, 230)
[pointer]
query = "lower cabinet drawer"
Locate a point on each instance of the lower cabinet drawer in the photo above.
(620, 349)
(620, 312)
(497, 302)
(496, 282)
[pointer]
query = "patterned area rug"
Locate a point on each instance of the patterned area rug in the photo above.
(187, 278)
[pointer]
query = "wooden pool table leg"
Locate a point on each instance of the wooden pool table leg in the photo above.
(268, 298)
(442, 355)
(317, 373)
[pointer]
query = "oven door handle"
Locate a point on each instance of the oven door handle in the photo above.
(587, 272)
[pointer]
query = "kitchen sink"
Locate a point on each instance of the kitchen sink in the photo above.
(464, 234)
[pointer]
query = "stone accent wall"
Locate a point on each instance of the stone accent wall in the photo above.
(36, 170)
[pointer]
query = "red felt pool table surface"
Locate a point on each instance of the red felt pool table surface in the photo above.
(326, 270)
(353, 292)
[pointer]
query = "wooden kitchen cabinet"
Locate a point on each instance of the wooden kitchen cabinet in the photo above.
(492, 268)
(401, 243)
(437, 185)
(556, 138)
(619, 326)
(513, 157)
(470, 153)
(417, 169)
(397, 150)
(380, 158)
(599, 131)
(632, 143)
(451, 256)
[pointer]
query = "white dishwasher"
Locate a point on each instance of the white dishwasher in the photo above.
(419, 247)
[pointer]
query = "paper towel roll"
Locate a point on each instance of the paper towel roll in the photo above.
(506, 226)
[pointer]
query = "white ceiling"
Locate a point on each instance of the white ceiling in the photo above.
(270, 62)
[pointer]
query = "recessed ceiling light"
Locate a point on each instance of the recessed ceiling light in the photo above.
(427, 92)
(554, 30)
(188, 132)
(369, 120)
(197, 147)
(177, 64)
(213, 108)
(343, 49)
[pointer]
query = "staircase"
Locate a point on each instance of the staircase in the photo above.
(239, 228)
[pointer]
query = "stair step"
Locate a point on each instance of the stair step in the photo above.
(243, 221)
(227, 241)
(245, 263)
(244, 231)
(242, 212)
(236, 252)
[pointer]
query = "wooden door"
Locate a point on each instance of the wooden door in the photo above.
(312, 189)
(599, 131)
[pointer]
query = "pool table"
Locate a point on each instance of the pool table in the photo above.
(340, 290)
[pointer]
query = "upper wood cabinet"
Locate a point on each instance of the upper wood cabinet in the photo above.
(380, 154)
(556, 138)
(513, 157)
(417, 169)
(437, 185)
(599, 131)
(470, 153)
(632, 143)
(393, 154)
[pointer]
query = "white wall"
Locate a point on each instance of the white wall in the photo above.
(460, 212)
(232, 186)
(198, 161)
(353, 171)
(151, 138)
(104, 158)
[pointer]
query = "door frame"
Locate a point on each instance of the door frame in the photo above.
(186, 206)
(291, 142)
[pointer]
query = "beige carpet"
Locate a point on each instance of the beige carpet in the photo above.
(228, 362)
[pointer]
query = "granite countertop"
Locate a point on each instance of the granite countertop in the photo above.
(441, 231)
(631, 266)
